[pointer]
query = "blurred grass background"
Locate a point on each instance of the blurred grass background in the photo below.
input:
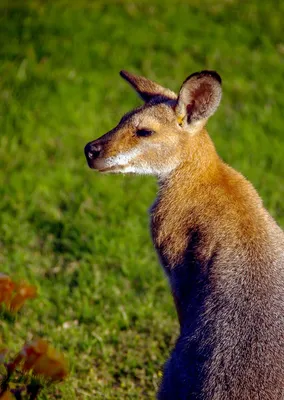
(82, 238)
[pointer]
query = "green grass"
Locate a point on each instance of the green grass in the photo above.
(82, 238)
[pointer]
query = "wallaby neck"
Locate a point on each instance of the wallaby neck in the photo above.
(185, 187)
(199, 160)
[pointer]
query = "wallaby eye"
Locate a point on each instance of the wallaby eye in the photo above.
(144, 132)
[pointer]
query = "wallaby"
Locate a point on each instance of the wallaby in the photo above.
(222, 252)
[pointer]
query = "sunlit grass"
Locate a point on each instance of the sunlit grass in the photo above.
(81, 238)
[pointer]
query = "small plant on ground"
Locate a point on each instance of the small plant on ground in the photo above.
(13, 295)
(34, 368)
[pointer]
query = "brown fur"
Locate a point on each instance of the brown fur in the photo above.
(222, 252)
(186, 199)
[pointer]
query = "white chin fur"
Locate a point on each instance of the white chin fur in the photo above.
(134, 169)
(143, 170)
(125, 163)
(122, 159)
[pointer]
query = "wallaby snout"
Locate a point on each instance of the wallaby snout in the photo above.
(92, 152)
(98, 151)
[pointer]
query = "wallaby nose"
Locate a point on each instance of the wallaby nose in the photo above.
(93, 150)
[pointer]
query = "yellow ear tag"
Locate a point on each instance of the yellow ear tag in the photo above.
(180, 120)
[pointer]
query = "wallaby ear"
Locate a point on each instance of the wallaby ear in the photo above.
(198, 99)
(147, 89)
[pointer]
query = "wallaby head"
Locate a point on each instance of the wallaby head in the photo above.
(155, 138)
